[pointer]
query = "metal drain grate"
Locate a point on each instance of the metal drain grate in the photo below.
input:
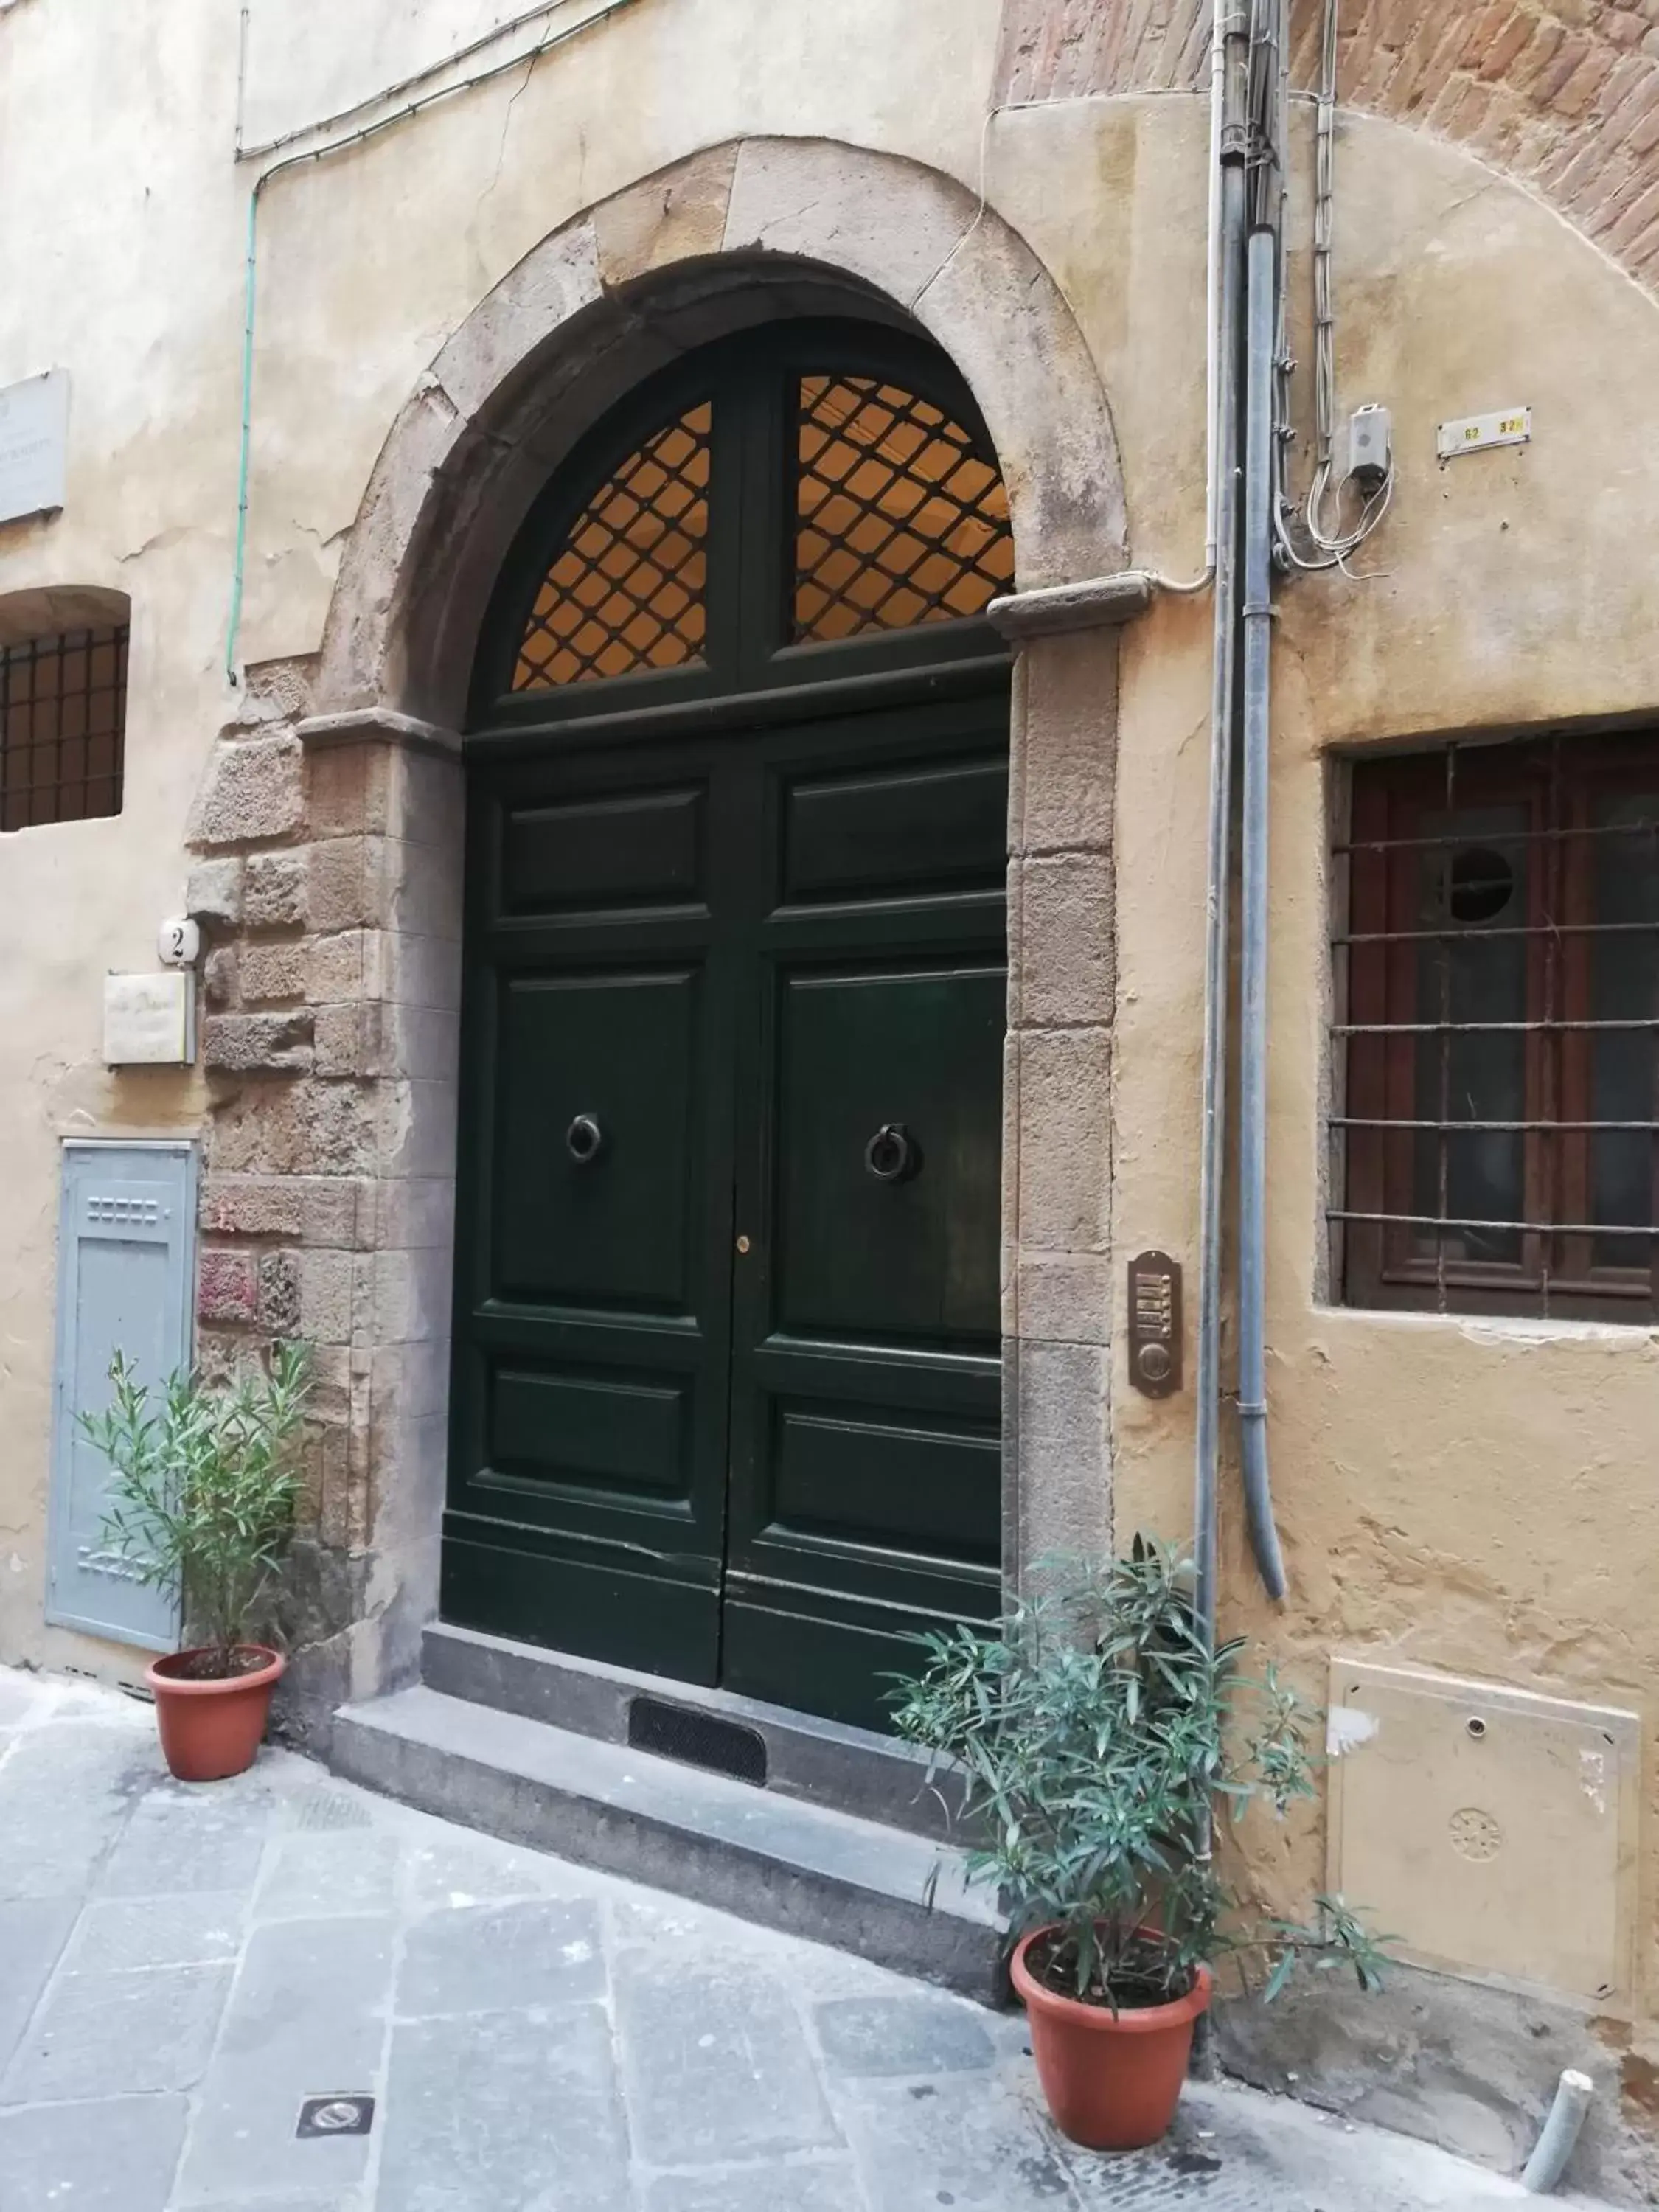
(327, 1811)
(697, 1739)
(335, 2116)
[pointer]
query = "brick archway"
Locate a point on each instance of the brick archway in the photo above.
(1565, 100)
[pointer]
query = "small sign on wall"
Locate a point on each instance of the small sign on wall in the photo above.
(33, 444)
(150, 1020)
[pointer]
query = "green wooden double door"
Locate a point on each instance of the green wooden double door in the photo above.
(728, 1389)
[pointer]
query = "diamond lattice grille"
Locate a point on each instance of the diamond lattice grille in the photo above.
(626, 590)
(899, 519)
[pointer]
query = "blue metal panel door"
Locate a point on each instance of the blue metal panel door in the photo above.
(125, 1273)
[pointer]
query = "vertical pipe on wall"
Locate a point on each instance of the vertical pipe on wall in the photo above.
(1261, 315)
(1234, 151)
(1213, 291)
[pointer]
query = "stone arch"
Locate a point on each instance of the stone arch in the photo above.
(1564, 99)
(686, 255)
(329, 1198)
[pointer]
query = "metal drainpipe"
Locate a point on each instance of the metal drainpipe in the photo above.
(1262, 329)
(1234, 155)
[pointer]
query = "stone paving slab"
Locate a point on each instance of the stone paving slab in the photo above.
(112, 2155)
(180, 1968)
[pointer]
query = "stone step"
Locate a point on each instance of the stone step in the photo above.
(875, 1777)
(802, 1867)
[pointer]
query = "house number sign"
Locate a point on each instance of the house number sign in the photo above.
(1155, 1324)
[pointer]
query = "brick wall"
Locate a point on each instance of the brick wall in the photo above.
(1561, 94)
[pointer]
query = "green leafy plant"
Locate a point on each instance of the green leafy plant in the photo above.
(1098, 1736)
(205, 1481)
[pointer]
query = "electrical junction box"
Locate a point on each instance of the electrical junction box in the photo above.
(1369, 443)
(1490, 1831)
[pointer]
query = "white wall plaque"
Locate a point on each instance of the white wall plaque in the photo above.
(34, 440)
(148, 1020)
(1473, 433)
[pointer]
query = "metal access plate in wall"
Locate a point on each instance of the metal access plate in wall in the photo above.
(126, 1235)
(1491, 1831)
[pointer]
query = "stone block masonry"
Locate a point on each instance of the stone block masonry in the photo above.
(330, 983)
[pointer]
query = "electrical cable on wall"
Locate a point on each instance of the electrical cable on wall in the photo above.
(1320, 519)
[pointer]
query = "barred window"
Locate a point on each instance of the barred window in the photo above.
(1497, 1140)
(63, 717)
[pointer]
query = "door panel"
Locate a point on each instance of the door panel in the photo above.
(930, 1487)
(918, 1052)
(867, 1377)
(609, 1061)
(896, 830)
(643, 847)
(728, 1404)
(588, 1467)
(582, 1432)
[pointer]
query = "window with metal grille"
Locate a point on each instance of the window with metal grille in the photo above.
(626, 590)
(1497, 1142)
(62, 717)
(901, 517)
(788, 505)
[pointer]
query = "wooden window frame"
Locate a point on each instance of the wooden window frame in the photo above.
(1386, 1251)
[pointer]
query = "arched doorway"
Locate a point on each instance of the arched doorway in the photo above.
(726, 1394)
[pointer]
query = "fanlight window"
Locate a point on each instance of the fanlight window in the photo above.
(892, 514)
(899, 519)
(627, 589)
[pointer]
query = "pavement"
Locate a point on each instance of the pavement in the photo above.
(202, 1990)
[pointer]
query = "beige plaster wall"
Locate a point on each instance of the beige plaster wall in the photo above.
(118, 261)
(1476, 1497)
(123, 229)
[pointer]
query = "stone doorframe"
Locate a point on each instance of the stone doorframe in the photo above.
(330, 836)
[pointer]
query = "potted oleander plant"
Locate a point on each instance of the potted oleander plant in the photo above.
(1099, 1743)
(205, 1482)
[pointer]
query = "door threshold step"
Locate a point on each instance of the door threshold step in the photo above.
(806, 1870)
(799, 1755)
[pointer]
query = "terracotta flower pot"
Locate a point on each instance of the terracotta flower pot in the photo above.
(1112, 2081)
(211, 1726)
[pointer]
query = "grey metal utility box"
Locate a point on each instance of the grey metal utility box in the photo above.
(126, 1272)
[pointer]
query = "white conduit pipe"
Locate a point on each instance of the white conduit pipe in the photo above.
(1212, 261)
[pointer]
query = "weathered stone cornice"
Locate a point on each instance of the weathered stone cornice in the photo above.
(377, 726)
(1101, 604)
